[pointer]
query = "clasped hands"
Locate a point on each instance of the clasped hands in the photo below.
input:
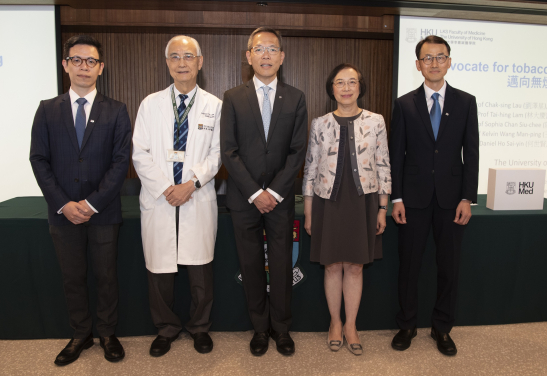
(78, 212)
(265, 202)
(179, 194)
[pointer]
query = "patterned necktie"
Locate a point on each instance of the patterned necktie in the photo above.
(266, 111)
(80, 120)
(183, 136)
(435, 114)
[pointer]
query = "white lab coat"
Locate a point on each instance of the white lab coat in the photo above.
(152, 137)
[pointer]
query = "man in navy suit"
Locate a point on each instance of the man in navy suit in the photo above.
(79, 153)
(433, 127)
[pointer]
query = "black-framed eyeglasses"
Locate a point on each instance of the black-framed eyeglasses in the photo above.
(185, 57)
(429, 59)
(341, 83)
(260, 50)
(77, 61)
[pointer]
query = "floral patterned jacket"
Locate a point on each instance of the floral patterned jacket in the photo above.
(371, 155)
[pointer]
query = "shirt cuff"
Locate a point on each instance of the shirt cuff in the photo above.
(92, 208)
(397, 200)
(277, 197)
(60, 211)
(252, 198)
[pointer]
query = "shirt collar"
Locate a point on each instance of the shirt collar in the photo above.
(259, 84)
(190, 94)
(429, 92)
(90, 97)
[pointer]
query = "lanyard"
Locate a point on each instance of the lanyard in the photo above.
(186, 111)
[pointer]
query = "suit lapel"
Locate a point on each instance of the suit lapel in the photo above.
(68, 119)
(421, 106)
(93, 117)
(450, 98)
(278, 105)
(255, 108)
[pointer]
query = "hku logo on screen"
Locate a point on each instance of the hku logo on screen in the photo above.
(411, 35)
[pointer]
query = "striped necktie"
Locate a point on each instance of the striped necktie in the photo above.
(183, 137)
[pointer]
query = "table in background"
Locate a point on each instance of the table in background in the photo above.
(502, 276)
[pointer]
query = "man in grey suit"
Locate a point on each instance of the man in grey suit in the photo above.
(263, 143)
(79, 153)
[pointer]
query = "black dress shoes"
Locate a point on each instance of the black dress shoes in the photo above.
(402, 339)
(161, 345)
(113, 350)
(202, 342)
(259, 343)
(284, 342)
(72, 351)
(444, 343)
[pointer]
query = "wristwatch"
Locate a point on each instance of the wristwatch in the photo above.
(197, 184)
(382, 207)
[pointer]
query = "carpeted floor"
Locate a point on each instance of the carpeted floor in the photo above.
(519, 349)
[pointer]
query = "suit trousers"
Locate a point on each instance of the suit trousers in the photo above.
(161, 292)
(412, 242)
(273, 310)
(71, 243)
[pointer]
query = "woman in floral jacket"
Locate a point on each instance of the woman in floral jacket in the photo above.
(346, 185)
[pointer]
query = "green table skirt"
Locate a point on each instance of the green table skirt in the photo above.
(502, 276)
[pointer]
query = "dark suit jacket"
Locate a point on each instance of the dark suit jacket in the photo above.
(420, 165)
(96, 172)
(253, 163)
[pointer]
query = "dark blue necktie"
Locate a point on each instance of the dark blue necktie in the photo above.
(80, 120)
(435, 114)
(183, 136)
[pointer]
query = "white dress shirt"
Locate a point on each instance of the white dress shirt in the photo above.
(428, 94)
(187, 100)
(90, 97)
(260, 95)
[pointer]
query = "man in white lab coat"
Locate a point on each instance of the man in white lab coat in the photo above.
(176, 154)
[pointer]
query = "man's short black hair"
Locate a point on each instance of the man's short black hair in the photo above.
(335, 71)
(265, 29)
(82, 39)
(431, 39)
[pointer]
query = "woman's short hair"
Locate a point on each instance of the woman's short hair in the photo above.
(335, 71)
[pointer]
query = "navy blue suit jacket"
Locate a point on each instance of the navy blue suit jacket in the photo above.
(421, 165)
(96, 172)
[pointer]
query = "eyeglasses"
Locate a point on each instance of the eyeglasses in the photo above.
(259, 50)
(429, 59)
(340, 83)
(77, 61)
(185, 57)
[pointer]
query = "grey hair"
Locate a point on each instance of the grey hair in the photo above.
(264, 29)
(181, 37)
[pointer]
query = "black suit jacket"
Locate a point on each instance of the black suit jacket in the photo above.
(253, 163)
(96, 172)
(421, 165)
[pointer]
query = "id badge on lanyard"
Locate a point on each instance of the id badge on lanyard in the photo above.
(178, 155)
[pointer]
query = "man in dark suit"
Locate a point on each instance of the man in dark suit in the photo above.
(80, 155)
(263, 143)
(432, 128)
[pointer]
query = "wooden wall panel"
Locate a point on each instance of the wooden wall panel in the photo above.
(135, 67)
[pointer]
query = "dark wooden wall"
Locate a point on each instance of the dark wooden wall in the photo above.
(135, 66)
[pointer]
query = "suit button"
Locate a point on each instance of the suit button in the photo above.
(352, 153)
(351, 138)
(436, 151)
(354, 170)
(433, 171)
(267, 152)
(263, 173)
(76, 180)
(80, 160)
